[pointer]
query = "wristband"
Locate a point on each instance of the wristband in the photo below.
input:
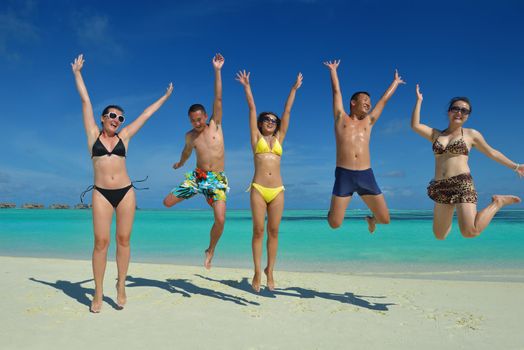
(516, 167)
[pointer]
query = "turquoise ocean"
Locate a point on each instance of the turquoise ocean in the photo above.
(306, 243)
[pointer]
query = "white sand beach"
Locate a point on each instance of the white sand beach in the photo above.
(44, 305)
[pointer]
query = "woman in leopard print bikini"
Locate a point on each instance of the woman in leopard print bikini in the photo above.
(453, 185)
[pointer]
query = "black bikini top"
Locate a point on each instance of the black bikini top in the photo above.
(99, 149)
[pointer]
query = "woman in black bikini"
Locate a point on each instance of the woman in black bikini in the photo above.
(112, 186)
(453, 186)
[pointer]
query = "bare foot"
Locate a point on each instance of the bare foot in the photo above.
(503, 200)
(270, 281)
(255, 283)
(121, 297)
(371, 223)
(207, 262)
(96, 304)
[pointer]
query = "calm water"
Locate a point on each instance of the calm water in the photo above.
(306, 241)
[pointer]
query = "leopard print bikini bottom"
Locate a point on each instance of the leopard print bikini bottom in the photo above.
(453, 190)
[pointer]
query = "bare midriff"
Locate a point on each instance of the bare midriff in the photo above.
(209, 149)
(267, 170)
(110, 172)
(352, 138)
(448, 165)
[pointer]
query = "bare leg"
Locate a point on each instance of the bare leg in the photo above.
(171, 200)
(258, 213)
(274, 216)
(102, 216)
(377, 205)
(472, 223)
(337, 210)
(125, 215)
(442, 219)
(219, 211)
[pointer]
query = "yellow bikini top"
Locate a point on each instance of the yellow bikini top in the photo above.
(263, 147)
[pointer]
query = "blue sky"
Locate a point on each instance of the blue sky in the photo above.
(134, 49)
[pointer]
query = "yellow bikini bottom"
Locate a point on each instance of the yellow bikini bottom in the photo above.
(268, 193)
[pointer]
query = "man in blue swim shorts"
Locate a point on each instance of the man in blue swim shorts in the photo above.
(353, 172)
(208, 178)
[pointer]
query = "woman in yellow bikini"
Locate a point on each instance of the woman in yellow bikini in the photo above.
(267, 192)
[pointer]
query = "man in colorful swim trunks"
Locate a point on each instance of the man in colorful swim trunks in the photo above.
(208, 178)
(352, 133)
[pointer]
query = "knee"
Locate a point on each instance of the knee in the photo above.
(469, 232)
(167, 203)
(439, 235)
(383, 219)
(220, 221)
(272, 232)
(258, 232)
(101, 244)
(123, 241)
(334, 223)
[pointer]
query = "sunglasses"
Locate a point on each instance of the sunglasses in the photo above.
(113, 115)
(456, 109)
(268, 120)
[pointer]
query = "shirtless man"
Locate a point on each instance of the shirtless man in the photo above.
(208, 178)
(353, 172)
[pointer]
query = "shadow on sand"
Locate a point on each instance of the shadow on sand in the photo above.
(186, 289)
(75, 291)
(303, 293)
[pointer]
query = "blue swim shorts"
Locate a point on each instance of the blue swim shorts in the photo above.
(349, 181)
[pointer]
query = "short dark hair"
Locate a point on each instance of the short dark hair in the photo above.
(195, 108)
(106, 110)
(355, 95)
(460, 98)
(265, 114)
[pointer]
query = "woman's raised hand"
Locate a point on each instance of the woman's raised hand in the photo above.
(78, 64)
(298, 83)
(419, 94)
(332, 65)
(243, 77)
(169, 90)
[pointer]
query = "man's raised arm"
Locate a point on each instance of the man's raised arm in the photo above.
(218, 62)
(338, 106)
(379, 107)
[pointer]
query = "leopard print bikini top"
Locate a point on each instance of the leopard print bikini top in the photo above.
(457, 147)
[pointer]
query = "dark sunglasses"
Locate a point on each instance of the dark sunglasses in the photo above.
(112, 115)
(456, 109)
(268, 120)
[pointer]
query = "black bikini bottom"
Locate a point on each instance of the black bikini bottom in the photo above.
(113, 196)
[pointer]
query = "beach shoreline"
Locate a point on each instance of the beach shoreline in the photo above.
(45, 304)
(474, 272)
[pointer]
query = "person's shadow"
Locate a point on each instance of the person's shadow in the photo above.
(303, 293)
(186, 289)
(76, 291)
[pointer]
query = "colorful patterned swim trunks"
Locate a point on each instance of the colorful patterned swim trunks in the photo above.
(212, 184)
